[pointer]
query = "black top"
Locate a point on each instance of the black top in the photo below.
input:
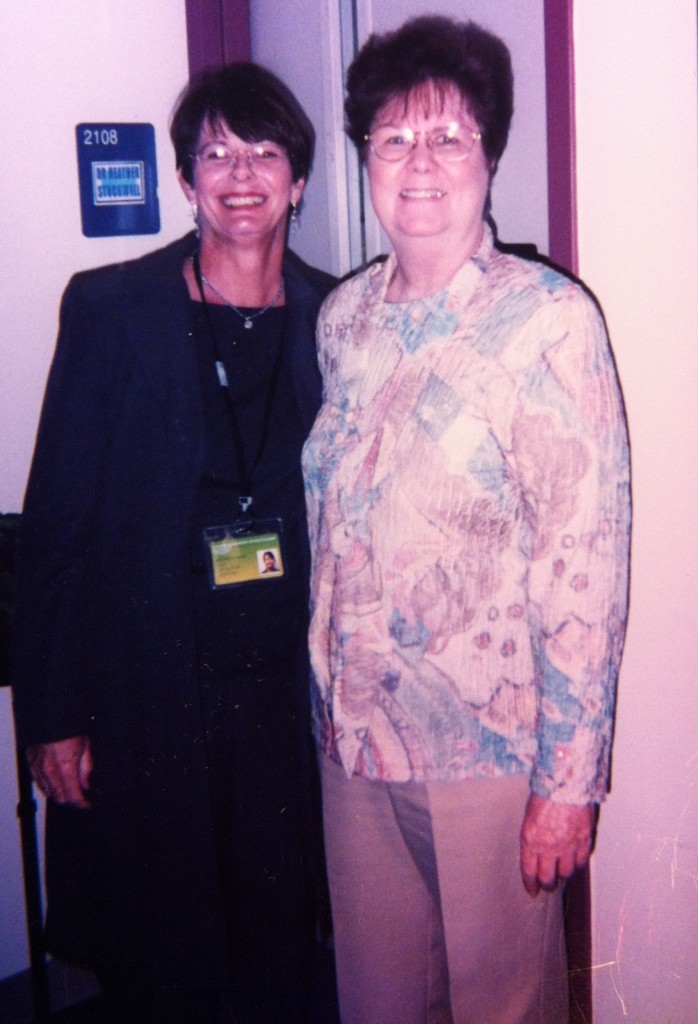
(259, 621)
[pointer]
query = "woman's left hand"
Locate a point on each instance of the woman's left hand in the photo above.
(555, 840)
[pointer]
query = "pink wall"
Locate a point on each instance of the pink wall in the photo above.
(637, 178)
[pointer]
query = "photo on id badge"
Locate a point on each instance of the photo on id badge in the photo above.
(243, 555)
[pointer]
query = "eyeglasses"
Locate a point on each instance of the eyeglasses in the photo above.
(215, 157)
(451, 143)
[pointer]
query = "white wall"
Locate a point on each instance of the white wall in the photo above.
(60, 64)
(638, 230)
(305, 50)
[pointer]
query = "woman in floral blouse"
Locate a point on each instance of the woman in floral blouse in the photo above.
(468, 492)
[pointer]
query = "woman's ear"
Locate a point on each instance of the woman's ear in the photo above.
(190, 193)
(189, 190)
(297, 190)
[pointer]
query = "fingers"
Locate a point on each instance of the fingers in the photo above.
(583, 853)
(85, 766)
(541, 872)
(62, 770)
(555, 841)
(529, 872)
(35, 760)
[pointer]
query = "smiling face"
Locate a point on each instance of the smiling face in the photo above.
(244, 200)
(422, 198)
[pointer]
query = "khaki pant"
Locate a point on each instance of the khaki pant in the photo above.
(432, 924)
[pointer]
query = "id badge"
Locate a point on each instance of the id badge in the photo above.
(245, 552)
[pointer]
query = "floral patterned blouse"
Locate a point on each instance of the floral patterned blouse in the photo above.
(468, 496)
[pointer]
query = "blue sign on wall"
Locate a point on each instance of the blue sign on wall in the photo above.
(118, 179)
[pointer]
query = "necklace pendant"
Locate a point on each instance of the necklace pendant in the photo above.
(248, 324)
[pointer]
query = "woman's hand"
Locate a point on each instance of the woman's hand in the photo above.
(62, 769)
(556, 839)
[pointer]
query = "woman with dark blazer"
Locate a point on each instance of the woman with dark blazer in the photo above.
(159, 683)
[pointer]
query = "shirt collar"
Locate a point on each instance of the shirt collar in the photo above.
(465, 279)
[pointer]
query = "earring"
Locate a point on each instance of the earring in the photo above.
(195, 215)
(295, 216)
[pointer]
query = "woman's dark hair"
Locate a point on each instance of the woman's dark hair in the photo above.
(253, 103)
(439, 50)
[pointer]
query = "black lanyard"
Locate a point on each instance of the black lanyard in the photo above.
(245, 474)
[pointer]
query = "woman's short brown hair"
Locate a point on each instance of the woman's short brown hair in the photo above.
(253, 103)
(439, 50)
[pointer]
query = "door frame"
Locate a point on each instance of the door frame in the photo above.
(218, 31)
(559, 89)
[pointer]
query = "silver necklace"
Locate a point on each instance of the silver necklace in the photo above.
(247, 317)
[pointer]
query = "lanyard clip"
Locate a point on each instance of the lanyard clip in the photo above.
(244, 501)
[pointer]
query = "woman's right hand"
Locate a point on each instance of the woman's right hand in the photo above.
(556, 839)
(62, 769)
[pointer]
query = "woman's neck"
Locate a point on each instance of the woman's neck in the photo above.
(247, 276)
(425, 266)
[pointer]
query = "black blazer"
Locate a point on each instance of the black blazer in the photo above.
(104, 642)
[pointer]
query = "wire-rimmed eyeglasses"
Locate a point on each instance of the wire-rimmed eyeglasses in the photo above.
(451, 142)
(216, 157)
